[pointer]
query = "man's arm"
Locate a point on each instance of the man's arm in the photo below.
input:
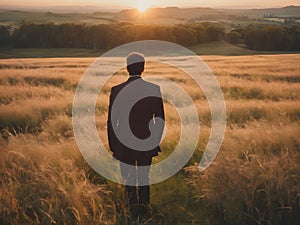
(112, 139)
(159, 112)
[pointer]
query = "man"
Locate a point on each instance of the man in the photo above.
(135, 126)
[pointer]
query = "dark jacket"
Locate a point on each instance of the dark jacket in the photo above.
(141, 116)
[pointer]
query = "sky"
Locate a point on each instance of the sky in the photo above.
(154, 3)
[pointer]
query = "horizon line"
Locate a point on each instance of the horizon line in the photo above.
(113, 8)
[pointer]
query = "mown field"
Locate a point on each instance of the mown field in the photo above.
(255, 178)
(211, 48)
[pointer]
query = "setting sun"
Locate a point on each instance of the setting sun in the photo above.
(142, 6)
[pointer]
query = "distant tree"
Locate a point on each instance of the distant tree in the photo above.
(271, 38)
(164, 33)
(294, 32)
(277, 38)
(184, 35)
(215, 32)
(29, 35)
(73, 35)
(144, 32)
(115, 36)
(50, 37)
(201, 33)
(5, 38)
(252, 38)
(233, 37)
(98, 36)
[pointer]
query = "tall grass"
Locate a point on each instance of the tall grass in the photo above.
(49, 190)
(254, 180)
(28, 116)
(260, 185)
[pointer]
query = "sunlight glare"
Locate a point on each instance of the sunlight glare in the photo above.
(142, 5)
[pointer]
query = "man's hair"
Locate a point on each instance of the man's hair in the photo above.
(135, 63)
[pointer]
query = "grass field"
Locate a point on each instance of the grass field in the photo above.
(211, 48)
(255, 178)
(16, 18)
(170, 15)
(8, 53)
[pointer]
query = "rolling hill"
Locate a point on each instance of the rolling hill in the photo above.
(169, 15)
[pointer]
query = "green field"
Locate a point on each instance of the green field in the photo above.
(211, 48)
(16, 18)
(8, 53)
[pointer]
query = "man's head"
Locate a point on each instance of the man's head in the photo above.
(135, 63)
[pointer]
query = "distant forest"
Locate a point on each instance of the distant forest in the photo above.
(107, 36)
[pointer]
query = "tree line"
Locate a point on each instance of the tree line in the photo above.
(267, 37)
(107, 36)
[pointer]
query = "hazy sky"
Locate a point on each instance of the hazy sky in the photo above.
(154, 3)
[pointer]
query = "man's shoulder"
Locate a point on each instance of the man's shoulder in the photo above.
(150, 84)
(118, 86)
(141, 83)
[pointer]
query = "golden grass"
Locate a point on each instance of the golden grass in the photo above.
(43, 186)
(254, 180)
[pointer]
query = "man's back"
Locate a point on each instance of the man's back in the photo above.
(147, 105)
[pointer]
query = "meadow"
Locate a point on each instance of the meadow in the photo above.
(211, 48)
(255, 178)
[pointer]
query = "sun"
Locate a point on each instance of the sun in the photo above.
(142, 8)
(142, 5)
